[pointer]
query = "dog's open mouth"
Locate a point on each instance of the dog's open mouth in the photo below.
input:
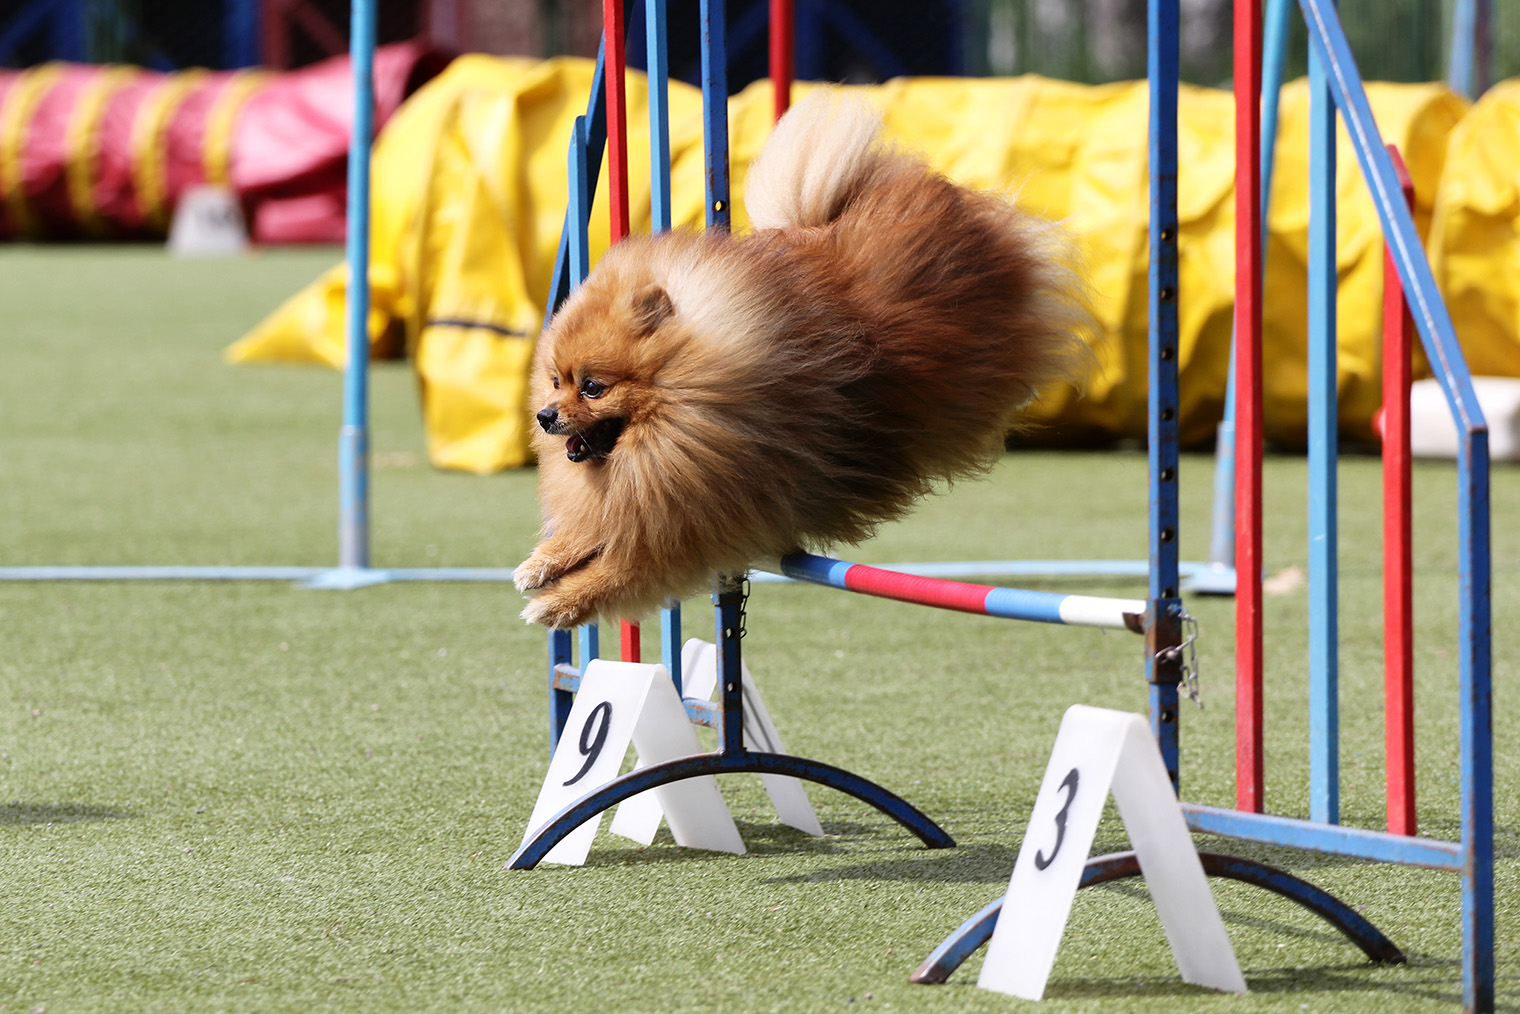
(596, 442)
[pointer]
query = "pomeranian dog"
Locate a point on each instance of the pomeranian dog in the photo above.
(710, 400)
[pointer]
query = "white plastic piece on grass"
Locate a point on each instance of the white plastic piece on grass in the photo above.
(208, 222)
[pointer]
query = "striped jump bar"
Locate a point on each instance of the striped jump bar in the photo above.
(1007, 603)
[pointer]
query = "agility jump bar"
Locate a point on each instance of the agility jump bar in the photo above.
(984, 600)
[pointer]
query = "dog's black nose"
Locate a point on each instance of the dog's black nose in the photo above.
(547, 417)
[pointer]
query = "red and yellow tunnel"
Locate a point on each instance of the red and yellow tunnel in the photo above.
(104, 152)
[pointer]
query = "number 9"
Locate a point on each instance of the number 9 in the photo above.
(592, 742)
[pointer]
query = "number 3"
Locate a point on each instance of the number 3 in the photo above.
(1069, 783)
(591, 743)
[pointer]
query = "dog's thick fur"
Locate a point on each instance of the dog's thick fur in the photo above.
(710, 400)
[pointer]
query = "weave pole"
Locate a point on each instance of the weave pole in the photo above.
(1248, 407)
(614, 38)
(1324, 457)
(782, 50)
(353, 438)
(657, 61)
(1163, 634)
(1337, 88)
(1398, 534)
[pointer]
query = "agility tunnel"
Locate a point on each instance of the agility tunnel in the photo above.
(105, 152)
(468, 187)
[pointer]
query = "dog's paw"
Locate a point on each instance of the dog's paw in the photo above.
(557, 611)
(532, 573)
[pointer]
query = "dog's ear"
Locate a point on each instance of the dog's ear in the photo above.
(651, 308)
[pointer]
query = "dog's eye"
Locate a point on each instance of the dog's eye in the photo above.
(555, 380)
(593, 388)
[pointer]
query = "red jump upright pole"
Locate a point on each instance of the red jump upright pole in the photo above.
(783, 35)
(1398, 576)
(617, 116)
(1249, 794)
(615, 40)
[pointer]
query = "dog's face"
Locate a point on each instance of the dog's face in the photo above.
(597, 364)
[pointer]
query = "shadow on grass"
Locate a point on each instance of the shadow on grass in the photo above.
(16, 812)
(1506, 839)
(769, 839)
(1344, 978)
(1418, 980)
(1424, 978)
(964, 864)
(1296, 860)
(1319, 932)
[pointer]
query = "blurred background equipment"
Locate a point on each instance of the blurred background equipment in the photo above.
(117, 108)
(104, 151)
(837, 40)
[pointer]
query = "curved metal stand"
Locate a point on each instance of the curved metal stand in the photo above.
(976, 931)
(725, 762)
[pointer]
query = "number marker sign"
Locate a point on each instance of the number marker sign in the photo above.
(208, 222)
(619, 703)
(1097, 749)
(639, 818)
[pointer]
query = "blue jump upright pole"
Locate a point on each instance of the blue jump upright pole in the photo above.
(1468, 65)
(353, 440)
(658, 63)
(1163, 630)
(715, 112)
(240, 33)
(1324, 604)
(1472, 857)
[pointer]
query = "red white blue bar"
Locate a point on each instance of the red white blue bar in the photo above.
(984, 600)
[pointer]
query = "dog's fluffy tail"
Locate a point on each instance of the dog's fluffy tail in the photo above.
(822, 153)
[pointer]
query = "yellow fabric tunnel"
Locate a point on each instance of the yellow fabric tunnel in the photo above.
(470, 187)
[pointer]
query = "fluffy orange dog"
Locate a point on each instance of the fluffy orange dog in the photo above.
(710, 400)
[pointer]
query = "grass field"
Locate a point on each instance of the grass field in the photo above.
(250, 797)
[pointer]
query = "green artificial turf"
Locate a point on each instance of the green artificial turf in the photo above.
(251, 797)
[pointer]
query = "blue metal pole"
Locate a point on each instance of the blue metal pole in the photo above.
(559, 700)
(588, 139)
(578, 211)
(19, 26)
(577, 266)
(353, 439)
(659, 215)
(811, 25)
(594, 135)
(670, 645)
(1163, 661)
(1477, 734)
(715, 112)
(659, 115)
(1274, 51)
(1323, 416)
(589, 642)
(728, 602)
(1464, 34)
(729, 620)
(71, 31)
(240, 34)
(1328, 39)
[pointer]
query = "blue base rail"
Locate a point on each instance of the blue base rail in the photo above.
(976, 931)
